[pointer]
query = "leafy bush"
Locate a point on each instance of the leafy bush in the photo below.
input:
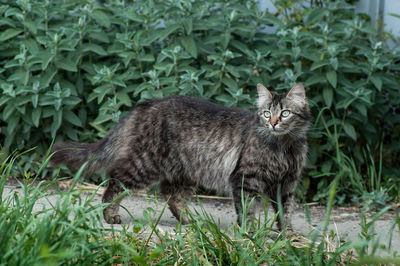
(71, 69)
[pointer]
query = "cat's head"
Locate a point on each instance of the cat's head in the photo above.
(286, 113)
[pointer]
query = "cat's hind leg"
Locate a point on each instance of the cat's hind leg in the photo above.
(126, 174)
(110, 213)
(176, 194)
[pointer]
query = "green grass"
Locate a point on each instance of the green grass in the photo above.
(71, 232)
(357, 183)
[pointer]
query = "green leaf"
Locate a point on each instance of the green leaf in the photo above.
(130, 14)
(31, 26)
(101, 118)
(377, 81)
(168, 69)
(3, 100)
(334, 63)
(242, 47)
(8, 22)
(9, 140)
(327, 94)
(394, 15)
(91, 97)
(48, 76)
(271, 19)
(72, 118)
(296, 52)
(66, 64)
(12, 123)
(36, 113)
(46, 59)
(146, 58)
(13, 12)
(25, 77)
(190, 45)
(57, 119)
(140, 88)
(23, 100)
(234, 70)
(100, 92)
(315, 78)
(57, 104)
(94, 48)
(71, 101)
(124, 98)
(119, 82)
(100, 36)
(20, 76)
(160, 35)
(230, 83)
(71, 133)
(345, 103)
(101, 18)
(9, 33)
(188, 25)
(316, 15)
(332, 78)
(350, 131)
(35, 99)
(362, 109)
(225, 38)
(32, 46)
(8, 110)
(12, 63)
(318, 64)
(225, 98)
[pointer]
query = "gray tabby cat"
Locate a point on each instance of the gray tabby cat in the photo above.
(184, 142)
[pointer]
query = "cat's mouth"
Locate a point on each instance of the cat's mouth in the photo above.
(276, 130)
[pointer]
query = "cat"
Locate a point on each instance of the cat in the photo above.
(184, 142)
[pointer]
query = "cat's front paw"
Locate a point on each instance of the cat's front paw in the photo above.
(115, 219)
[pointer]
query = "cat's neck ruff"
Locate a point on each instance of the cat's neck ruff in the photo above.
(284, 140)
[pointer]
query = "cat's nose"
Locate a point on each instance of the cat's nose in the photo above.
(273, 122)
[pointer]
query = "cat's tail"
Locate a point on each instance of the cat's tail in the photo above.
(100, 156)
(75, 154)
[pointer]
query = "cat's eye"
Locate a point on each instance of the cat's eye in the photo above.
(285, 113)
(267, 114)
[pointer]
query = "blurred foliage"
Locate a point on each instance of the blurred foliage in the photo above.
(71, 69)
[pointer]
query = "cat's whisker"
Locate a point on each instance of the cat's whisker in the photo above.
(294, 134)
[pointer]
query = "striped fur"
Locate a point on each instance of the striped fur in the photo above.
(184, 142)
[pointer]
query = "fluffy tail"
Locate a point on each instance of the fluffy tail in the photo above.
(74, 154)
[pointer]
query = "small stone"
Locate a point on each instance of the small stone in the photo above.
(217, 204)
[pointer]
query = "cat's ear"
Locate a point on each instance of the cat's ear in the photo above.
(297, 93)
(263, 94)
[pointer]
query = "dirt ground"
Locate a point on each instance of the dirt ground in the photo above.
(344, 222)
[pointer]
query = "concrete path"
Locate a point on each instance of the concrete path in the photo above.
(344, 222)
